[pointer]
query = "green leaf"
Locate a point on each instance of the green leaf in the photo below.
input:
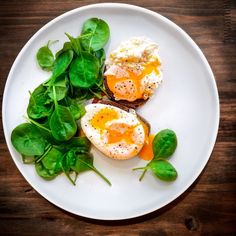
(69, 160)
(66, 47)
(77, 109)
(83, 162)
(28, 140)
(163, 170)
(44, 173)
(45, 58)
(62, 124)
(40, 104)
(101, 56)
(52, 160)
(98, 34)
(80, 144)
(84, 70)
(61, 64)
(61, 86)
(75, 43)
(164, 144)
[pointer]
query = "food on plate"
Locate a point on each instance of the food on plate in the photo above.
(133, 71)
(115, 132)
(164, 145)
(61, 124)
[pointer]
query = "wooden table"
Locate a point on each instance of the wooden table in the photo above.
(208, 207)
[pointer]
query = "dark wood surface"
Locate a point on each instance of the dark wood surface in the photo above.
(208, 207)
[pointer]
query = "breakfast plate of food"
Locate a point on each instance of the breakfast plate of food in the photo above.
(110, 111)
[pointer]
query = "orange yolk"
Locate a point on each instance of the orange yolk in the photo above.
(135, 82)
(146, 152)
(119, 132)
(116, 132)
(100, 119)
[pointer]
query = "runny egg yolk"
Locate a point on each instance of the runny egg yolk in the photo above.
(146, 152)
(120, 131)
(134, 82)
(100, 119)
(116, 132)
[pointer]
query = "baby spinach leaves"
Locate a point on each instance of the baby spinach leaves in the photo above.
(163, 170)
(28, 140)
(84, 162)
(45, 58)
(49, 140)
(84, 70)
(62, 123)
(164, 145)
(61, 64)
(99, 33)
(40, 104)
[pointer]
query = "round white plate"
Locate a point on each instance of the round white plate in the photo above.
(186, 102)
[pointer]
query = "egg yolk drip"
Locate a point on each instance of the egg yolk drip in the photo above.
(116, 132)
(146, 152)
(130, 87)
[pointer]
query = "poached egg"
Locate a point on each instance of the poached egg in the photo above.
(133, 70)
(116, 133)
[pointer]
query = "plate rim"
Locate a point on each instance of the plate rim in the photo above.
(168, 22)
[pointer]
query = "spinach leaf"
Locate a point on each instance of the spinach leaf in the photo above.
(68, 160)
(62, 123)
(61, 87)
(78, 144)
(164, 144)
(45, 58)
(44, 172)
(84, 162)
(52, 160)
(98, 34)
(76, 108)
(75, 43)
(61, 64)
(28, 140)
(40, 105)
(163, 170)
(84, 70)
(101, 56)
(66, 47)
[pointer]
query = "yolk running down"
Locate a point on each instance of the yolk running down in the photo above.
(147, 153)
(136, 80)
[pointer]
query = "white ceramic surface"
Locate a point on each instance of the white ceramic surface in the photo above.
(186, 102)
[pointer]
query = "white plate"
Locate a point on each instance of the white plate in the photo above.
(186, 102)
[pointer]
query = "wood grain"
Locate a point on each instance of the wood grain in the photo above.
(208, 206)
